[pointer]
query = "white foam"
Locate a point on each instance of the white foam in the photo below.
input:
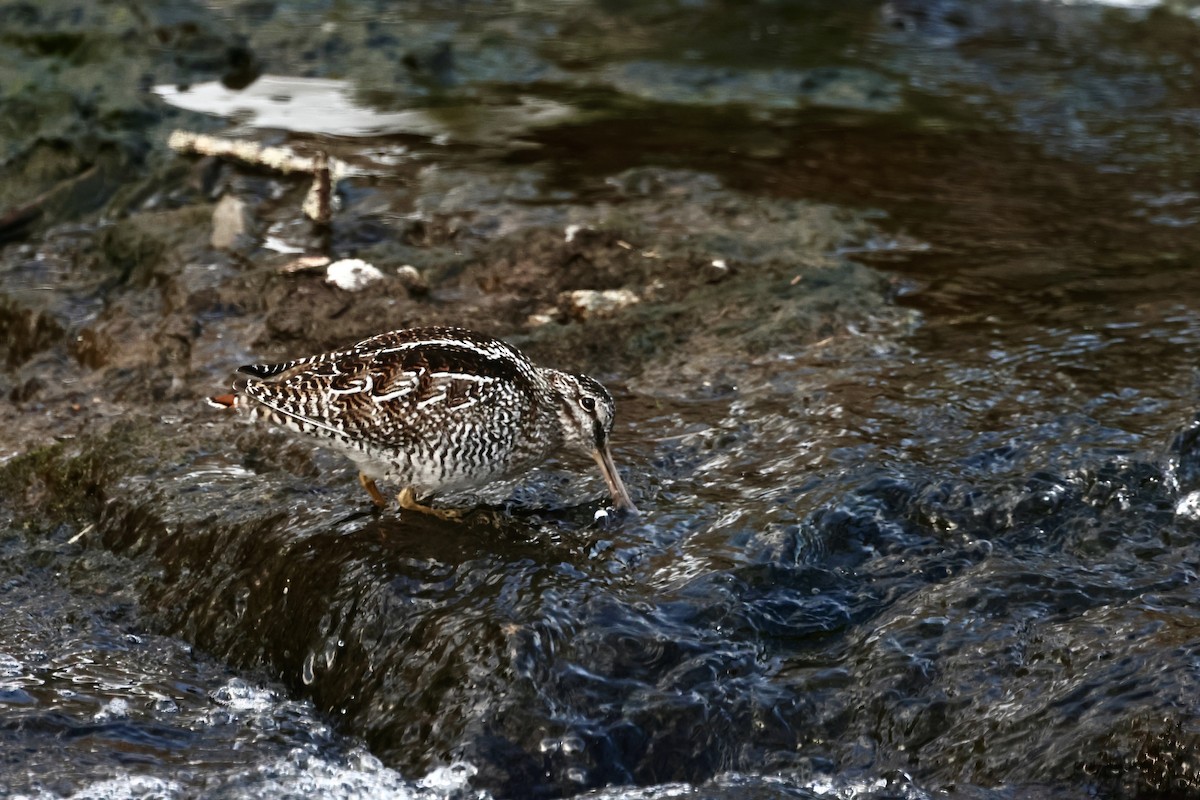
(237, 695)
(117, 708)
(10, 667)
(1189, 506)
(451, 779)
(124, 787)
(362, 777)
(733, 784)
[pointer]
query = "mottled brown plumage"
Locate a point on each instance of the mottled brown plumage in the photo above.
(436, 410)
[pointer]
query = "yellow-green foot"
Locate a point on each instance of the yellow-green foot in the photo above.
(368, 483)
(408, 501)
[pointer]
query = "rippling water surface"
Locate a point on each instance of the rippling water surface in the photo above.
(949, 549)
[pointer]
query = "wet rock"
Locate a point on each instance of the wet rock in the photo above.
(1186, 451)
(719, 270)
(412, 279)
(352, 274)
(93, 348)
(585, 304)
(72, 186)
(693, 84)
(25, 331)
(230, 220)
(544, 317)
(87, 123)
(148, 249)
(26, 391)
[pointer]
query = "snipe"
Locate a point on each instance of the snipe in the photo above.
(435, 410)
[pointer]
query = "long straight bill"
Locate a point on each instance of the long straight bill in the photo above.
(620, 496)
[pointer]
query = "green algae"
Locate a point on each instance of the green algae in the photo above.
(71, 481)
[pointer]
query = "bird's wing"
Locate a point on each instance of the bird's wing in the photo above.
(391, 391)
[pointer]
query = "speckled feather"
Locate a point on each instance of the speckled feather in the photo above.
(435, 409)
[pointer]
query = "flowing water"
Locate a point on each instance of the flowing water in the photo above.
(942, 541)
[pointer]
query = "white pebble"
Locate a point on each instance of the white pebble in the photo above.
(352, 274)
(584, 304)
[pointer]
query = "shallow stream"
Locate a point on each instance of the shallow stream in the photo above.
(908, 403)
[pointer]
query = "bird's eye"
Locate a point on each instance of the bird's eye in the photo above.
(588, 403)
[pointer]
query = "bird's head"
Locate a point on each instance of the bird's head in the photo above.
(585, 415)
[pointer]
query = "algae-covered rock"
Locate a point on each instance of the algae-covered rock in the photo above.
(77, 121)
(25, 331)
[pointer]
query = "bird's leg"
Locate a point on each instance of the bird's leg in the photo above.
(408, 501)
(368, 483)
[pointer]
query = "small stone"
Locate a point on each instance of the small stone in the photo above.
(718, 271)
(584, 304)
(352, 274)
(541, 318)
(412, 279)
(305, 262)
(229, 222)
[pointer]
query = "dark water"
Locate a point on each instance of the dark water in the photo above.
(945, 546)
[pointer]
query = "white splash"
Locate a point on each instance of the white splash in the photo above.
(1189, 506)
